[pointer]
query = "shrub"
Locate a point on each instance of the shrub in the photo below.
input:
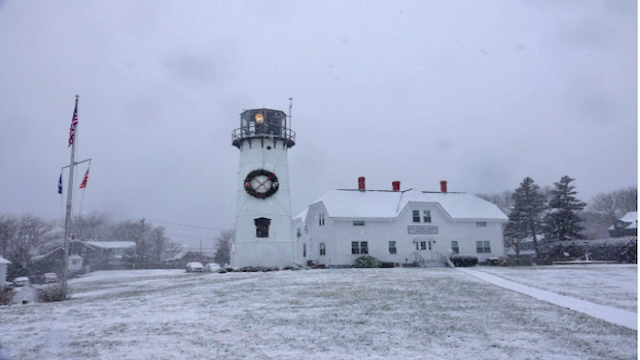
(505, 261)
(6, 294)
(387, 265)
(464, 260)
(55, 292)
(367, 262)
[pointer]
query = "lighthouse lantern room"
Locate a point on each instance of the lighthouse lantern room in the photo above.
(263, 212)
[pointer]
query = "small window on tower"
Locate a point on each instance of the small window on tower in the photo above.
(262, 227)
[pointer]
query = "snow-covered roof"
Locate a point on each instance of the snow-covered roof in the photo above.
(302, 216)
(112, 244)
(389, 204)
(630, 217)
(4, 261)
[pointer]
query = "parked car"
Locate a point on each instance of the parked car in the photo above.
(21, 281)
(211, 267)
(49, 278)
(194, 267)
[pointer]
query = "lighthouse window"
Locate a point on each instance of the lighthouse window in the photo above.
(262, 227)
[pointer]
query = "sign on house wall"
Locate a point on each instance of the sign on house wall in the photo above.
(423, 229)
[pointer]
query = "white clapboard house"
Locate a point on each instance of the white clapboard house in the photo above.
(399, 227)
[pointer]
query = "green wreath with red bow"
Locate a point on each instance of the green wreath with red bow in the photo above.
(248, 187)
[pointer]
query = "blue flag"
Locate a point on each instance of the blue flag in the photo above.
(60, 184)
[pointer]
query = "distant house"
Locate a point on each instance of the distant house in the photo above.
(625, 226)
(93, 255)
(399, 227)
(3, 270)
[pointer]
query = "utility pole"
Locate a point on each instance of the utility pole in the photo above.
(141, 241)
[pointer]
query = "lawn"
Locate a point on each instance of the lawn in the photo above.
(310, 314)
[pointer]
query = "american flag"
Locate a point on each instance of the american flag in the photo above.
(84, 181)
(74, 123)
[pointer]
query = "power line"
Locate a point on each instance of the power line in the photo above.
(187, 225)
(192, 237)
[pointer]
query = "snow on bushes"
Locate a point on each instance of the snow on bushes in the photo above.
(464, 260)
(368, 262)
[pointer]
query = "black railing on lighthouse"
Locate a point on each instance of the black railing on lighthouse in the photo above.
(263, 124)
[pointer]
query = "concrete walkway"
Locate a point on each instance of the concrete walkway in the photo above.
(613, 315)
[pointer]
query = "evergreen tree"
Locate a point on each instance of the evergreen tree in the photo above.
(223, 253)
(525, 219)
(562, 222)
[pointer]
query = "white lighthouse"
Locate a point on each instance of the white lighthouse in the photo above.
(263, 212)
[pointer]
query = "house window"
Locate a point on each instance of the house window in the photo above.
(358, 223)
(423, 245)
(481, 224)
(455, 248)
(323, 249)
(392, 247)
(320, 219)
(355, 247)
(304, 250)
(483, 247)
(262, 227)
(298, 232)
(360, 247)
(426, 214)
(416, 216)
(75, 262)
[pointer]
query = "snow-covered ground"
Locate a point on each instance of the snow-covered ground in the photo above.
(324, 314)
(610, 285)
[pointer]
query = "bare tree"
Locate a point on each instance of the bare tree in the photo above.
(94, 226)
(223, 251)
(615, 204)
(161, 245)
(8, 232)
(32, 230)
(503, 200)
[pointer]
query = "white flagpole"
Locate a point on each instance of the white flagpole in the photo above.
(67, 221)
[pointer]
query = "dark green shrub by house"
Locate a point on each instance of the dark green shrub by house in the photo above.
(464, 260)
(368, 262)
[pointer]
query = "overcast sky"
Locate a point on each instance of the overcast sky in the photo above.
(478, 93)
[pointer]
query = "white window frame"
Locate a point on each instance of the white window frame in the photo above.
(483, 247)
(392, 247)
(455, 249)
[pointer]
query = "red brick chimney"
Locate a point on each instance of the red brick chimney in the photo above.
(361, 186)
(443, 186)
(396, 185)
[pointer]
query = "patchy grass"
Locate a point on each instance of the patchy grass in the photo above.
(330, 314)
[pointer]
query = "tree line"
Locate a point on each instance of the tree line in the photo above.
(552, 214)
(27, 235)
